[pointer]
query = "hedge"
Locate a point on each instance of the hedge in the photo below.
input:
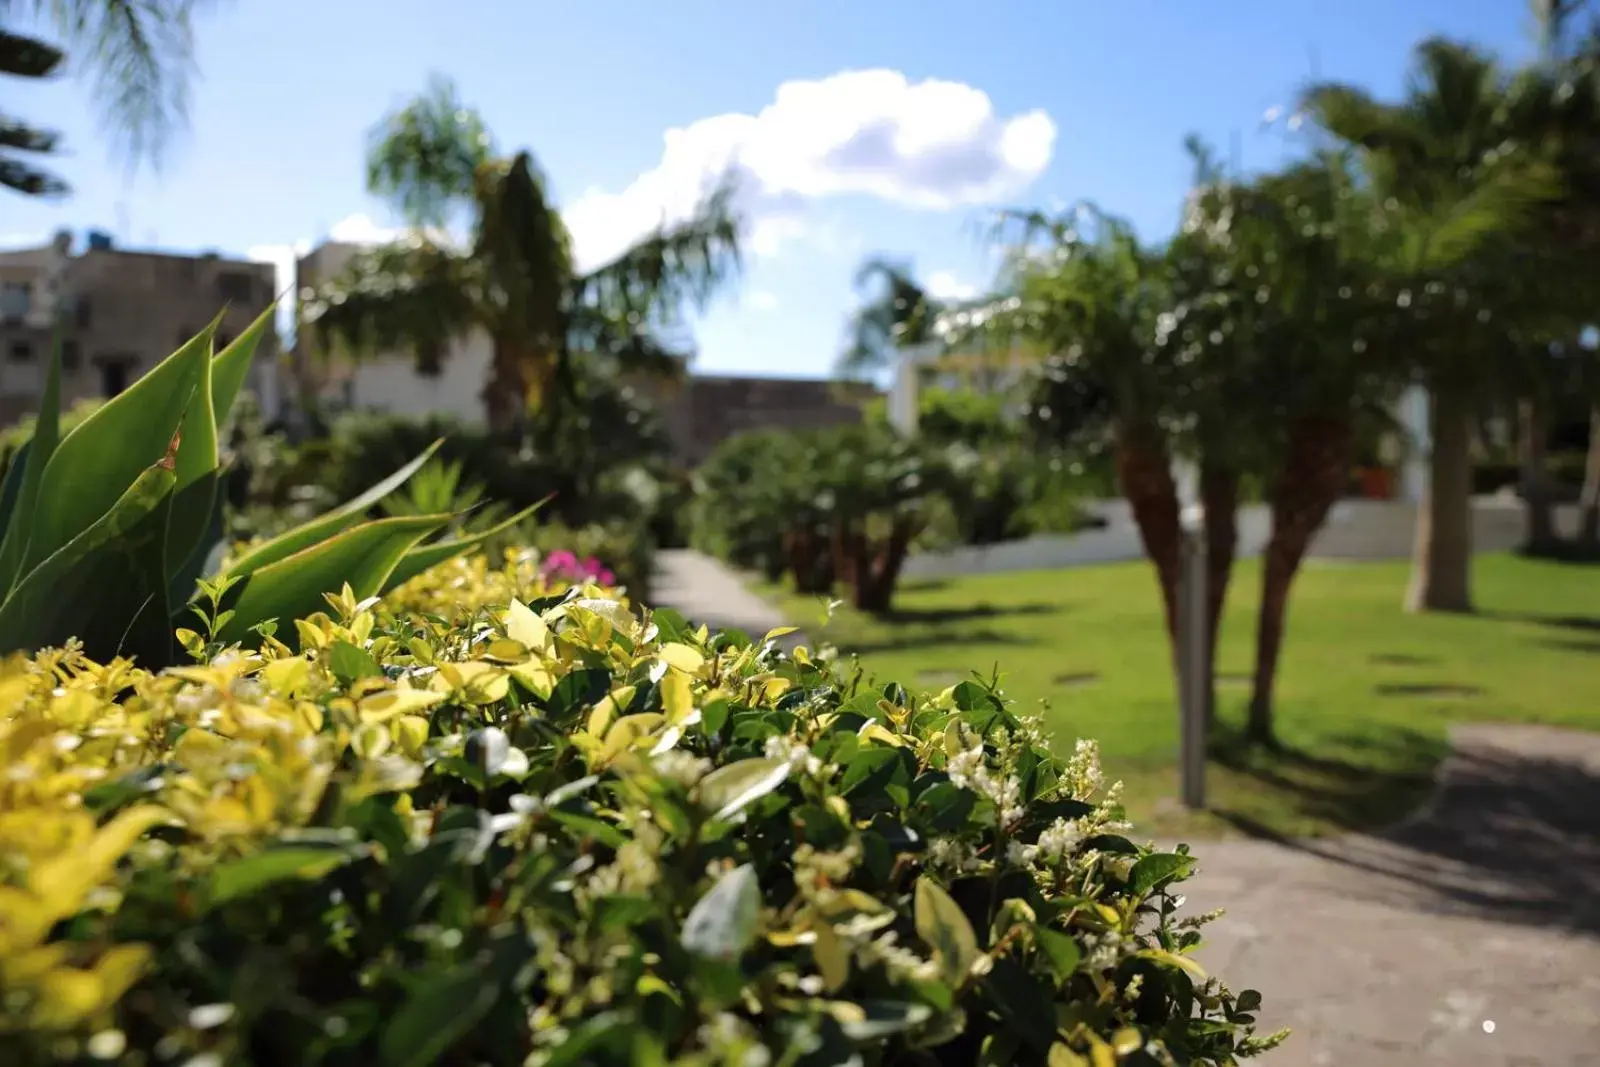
(488, 821)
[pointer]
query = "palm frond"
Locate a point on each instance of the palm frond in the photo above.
(411, 295)
(139, 54)
(27, 57)
(678, 264)
(425, 157)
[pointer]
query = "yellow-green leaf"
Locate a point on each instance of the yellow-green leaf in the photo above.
(733, 787)
(424, 557)
(944, 927)
(833, 959)
(682, 657)
(524, 626)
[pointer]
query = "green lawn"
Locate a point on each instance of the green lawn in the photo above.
(1365, 694)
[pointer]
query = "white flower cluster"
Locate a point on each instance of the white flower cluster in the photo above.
(899, 962)
(951, 856)
(968, 769)
(635, 869)
(1084, 778)
(795, 753)
(731, 1040)
(679, 766)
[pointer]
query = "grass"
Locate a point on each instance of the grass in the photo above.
(1365, 695)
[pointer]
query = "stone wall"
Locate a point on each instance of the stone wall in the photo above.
(704, 410)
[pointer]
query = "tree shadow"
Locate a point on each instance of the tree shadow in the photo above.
(902, 642)
(1591, 645)
(1588, 623)
(1509, 831)
(964, 613)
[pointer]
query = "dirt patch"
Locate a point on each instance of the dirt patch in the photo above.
(1401, 659)
(1076, 679)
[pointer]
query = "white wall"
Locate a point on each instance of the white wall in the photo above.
(392, 384)
(1358, 530)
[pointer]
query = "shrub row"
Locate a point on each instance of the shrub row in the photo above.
(488, 820)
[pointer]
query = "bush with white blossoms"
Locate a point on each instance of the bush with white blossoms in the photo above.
(479, 824)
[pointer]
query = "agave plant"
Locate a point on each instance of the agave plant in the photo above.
(109, 527)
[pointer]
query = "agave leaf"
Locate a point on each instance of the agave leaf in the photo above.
(47, 605)
(328, 524)
(96, 463)
(232, 365)
(423, 557)
(194, 527)
(28, 467)
(197, 446)
(128, 591)
(292, 587)
(12, 487)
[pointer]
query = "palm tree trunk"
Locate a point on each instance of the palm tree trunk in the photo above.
(1314, 473)
(1532, 433)
(1219, 495)
(1441, 567)
(1589, 501)
(505, 393)
(1144, 473)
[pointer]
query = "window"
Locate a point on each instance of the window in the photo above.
(235, 286)
(82, 310)
(113, 377)
(70, 356)
(15, 300)
(21, 352)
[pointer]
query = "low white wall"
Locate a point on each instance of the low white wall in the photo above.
(1358, 529)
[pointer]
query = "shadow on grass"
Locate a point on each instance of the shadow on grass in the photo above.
(964, 613)
(1590, 645)
(963, 638)
(1587, 623)
(1512, 835)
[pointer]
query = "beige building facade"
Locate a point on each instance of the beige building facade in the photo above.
(120, 312)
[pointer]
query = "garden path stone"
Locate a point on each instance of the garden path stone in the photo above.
(1469, 935)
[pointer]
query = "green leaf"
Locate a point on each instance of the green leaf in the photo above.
(441, 1009)
(1060, 949)
(330, 523)
(1249, 1000)
(723, 922)
(131, 615)
(1156, 869)
(876, 764)
(28, 467)
(197, 446)
(106, 453)
(730, 789)
(292, 587)
(232, 365)
(425, 557)
(242, 877)
(350, 662)
(194, 528)
(944, 927)
(12, 487)
(49, 603)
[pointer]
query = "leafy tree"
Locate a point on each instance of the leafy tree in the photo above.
(1454, 188)
(516, 279)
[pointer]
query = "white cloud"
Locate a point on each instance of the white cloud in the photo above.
(944, 285)
(361, 230)
(762, 300)
(930, 144)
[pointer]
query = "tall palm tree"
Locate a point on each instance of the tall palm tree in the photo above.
(1456, 187)
(515, 279)
(138, 55)
(26, 57)
(900, 315)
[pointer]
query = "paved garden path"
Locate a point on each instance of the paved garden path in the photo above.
(1468, 936)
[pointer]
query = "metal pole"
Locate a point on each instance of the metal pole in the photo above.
(1193, 695)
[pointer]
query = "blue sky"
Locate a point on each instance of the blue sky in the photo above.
(883, 127)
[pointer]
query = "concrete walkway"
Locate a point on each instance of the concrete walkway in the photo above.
(703, 590)
(1468, 936)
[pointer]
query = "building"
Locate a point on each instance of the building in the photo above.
(698, 413)
(120, 312)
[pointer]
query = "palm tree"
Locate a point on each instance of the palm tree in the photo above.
(515, 279)
(901, 315)
(137, 53)
(25, 57)
(1455, 187)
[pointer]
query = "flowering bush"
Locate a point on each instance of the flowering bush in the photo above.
(564, 566)
(477, 824)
